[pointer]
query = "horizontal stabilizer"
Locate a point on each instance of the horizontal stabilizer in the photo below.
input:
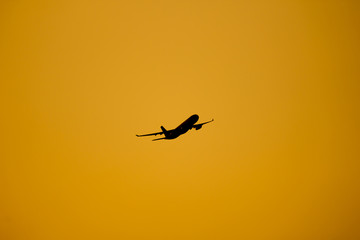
(158, 139)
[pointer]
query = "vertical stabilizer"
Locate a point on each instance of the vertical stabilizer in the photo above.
(164, 131)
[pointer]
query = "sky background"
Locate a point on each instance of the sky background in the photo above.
(79, 79)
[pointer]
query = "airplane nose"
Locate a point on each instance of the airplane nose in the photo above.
(195, 117)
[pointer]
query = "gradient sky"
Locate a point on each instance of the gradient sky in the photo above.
(79, 79)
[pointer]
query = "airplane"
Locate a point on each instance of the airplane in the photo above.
(181, 129)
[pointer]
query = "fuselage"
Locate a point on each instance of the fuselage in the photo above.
(183, 128)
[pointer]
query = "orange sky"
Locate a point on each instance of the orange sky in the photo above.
(79, 79)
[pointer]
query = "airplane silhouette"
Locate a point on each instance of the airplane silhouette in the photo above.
(181, 129)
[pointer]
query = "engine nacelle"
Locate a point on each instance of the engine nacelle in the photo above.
(198, 127)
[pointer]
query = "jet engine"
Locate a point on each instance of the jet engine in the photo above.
(198, 127)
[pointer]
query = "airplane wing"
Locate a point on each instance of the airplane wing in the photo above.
(198, 126)
(150, 134)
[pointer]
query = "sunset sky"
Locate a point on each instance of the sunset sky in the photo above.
(79, 79)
